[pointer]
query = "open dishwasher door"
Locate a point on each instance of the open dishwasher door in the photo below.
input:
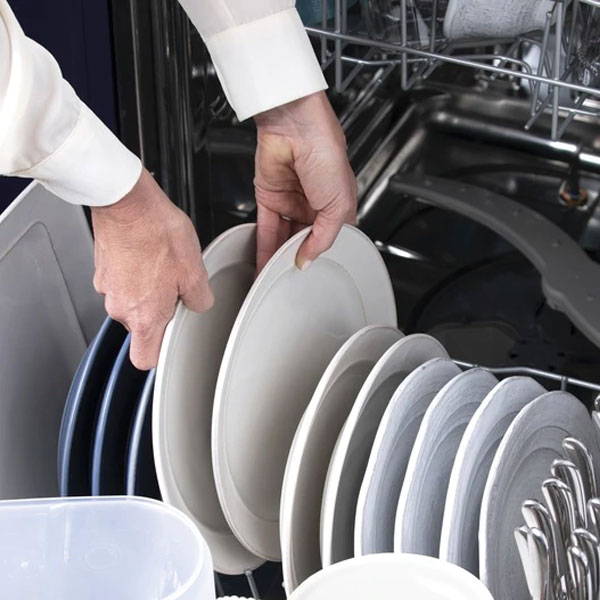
(49, 311)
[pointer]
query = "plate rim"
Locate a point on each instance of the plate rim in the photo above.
(169, 488)
(338, 459)
(135, 436)
(421, 446)
(103, 415)
(449, 521)
(301, 438)
(382, 431)
(563, 397)
(73, 404)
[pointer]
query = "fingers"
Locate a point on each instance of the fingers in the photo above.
(271, 232)
(147, 323)
(325, 229)
(146, 340)
(303, 172)
(147, 256)
(198, 296)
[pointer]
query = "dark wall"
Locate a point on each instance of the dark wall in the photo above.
(78, 33)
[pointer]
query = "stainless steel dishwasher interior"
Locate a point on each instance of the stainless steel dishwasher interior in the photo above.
(454, 278)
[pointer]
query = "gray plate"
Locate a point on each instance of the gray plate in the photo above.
(459, 542)
(380, 490)
(422, 499)
(351, 454)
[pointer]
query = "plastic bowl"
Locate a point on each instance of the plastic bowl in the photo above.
(392, 576)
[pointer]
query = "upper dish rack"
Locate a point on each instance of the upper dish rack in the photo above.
(558, 67)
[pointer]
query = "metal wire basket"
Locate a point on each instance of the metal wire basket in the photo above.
(557, 65)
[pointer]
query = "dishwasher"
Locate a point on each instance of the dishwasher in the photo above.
(457, 145)
(477, 160)
(482, 113)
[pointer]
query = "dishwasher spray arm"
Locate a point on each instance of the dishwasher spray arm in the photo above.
(570, 279)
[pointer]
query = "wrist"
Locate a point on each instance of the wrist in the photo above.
(129, 209)
(297, 115)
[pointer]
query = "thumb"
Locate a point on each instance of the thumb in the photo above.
(323, 233)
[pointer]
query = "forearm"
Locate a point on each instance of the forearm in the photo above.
(260, 50)
(48, 133)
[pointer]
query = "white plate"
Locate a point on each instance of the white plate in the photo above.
(287, 331)
(49, 312)
(392, 577)
(186, 376)
(421, 504)
(521, 463)
(313, 445)
(352, 450)
(482, 437)
(380, 490)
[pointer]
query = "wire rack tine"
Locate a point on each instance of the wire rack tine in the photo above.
(324, 18)
(543, 49)
(562, 379)
(252, 584)
(557, 66)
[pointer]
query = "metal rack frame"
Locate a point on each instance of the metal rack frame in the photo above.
(564, 381)
(417, 62)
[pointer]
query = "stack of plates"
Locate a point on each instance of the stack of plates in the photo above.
(102, 448)
(294, 422)
(211, 433)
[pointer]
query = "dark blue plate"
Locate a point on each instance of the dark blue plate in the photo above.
(81, 407)
(140, 471)
(114, 424)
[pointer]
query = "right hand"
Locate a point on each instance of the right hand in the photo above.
(147, 257)
(303, 177)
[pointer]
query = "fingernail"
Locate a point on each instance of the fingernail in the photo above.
(305, 265)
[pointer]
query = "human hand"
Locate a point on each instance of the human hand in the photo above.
(147, 256)
(302, 177)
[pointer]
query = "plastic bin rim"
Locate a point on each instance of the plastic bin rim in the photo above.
(162, 506)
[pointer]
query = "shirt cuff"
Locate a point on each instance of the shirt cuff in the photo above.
(91, 167)
(266, 63)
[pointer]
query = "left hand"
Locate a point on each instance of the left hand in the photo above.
(303, 177)
(147, 257)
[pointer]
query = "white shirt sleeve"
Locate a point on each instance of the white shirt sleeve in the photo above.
(260, 50)
(48, 133)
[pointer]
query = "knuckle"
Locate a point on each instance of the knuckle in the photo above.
(141, 361)
(147, 323)
(209, 300)
(142, 328)
(114, 308)
(195, 282)
(98, 283)
(198, 277)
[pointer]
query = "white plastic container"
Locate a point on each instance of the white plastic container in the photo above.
(110, 548)
(392, 577)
